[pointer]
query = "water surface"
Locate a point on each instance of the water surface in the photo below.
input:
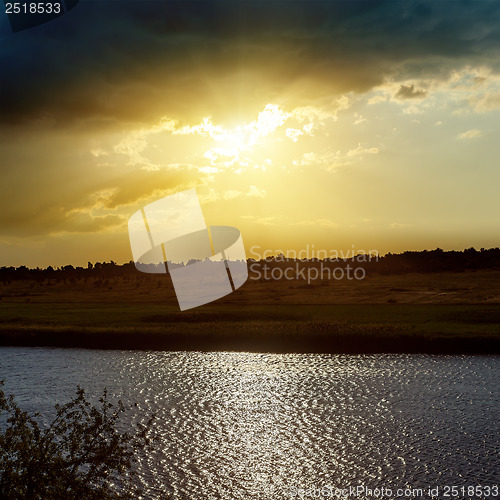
(260, 426)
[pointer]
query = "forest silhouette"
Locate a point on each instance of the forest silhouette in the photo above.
(426, 261)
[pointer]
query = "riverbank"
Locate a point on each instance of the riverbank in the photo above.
(426, 313)
(328, 329)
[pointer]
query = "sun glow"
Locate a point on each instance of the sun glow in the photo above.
(212, 148)
(234, 145)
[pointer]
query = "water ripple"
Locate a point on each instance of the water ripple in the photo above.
(254, 426)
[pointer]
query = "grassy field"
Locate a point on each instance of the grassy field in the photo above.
(439, 313)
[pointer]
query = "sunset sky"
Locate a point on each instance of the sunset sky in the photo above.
(338, 124)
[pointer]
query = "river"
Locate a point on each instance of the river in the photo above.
(272, 426)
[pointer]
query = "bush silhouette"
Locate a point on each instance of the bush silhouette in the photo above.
(80, 455)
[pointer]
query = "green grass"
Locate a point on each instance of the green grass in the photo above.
(281, 328)
(455, 319)
(445, 312)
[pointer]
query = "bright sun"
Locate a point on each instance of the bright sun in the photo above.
(235, 145)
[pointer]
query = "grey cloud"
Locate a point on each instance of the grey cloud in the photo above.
(133, 61)
(409, 92)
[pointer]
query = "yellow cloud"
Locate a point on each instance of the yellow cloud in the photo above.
(470, 134)
(316, 222)
(257, 192)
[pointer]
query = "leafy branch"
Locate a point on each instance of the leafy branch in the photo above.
(80, 455)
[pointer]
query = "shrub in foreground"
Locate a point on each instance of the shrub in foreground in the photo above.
(80, 455)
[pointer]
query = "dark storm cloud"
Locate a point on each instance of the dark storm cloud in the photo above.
(409, 92)
(119, 60)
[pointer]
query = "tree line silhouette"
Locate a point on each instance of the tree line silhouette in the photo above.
(426, 261)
